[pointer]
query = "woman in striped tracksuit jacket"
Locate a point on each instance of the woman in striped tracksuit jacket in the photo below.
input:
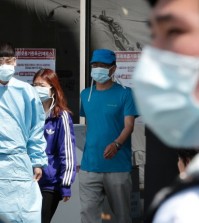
(58, 130)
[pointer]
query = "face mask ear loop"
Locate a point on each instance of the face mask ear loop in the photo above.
(52, 104)
(51, 107)
(118, 81)
(90, 90)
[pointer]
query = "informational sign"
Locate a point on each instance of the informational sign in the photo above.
(126, 62)
(30, 60)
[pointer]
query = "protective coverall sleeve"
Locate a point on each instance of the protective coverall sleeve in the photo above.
(36, 144)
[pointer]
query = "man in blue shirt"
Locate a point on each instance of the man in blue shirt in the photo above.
(106, 165)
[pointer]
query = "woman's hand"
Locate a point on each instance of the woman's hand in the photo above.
(37, 173)
(65, 199)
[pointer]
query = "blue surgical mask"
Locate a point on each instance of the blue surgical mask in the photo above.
(43, 92)
(100, 75)
(164, 89)
(6, 72)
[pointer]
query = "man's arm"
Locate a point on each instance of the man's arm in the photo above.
(128, 129)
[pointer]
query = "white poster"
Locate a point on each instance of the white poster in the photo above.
(126, 62)
(30, 60)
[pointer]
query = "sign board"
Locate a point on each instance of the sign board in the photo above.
(126, 62)
(30, 60)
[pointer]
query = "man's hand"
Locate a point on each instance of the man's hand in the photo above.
(110, 151)
(37, 173)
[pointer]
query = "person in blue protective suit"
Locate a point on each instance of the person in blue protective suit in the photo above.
(106, 165)
(60, 173)
(22, 144)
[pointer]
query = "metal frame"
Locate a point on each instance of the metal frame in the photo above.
(85, 24)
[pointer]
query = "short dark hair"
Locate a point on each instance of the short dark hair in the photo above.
(152, 3)
(6, 49)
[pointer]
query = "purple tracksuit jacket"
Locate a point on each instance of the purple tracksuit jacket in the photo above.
(61, 170)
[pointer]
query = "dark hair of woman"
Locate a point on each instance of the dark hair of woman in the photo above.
(186, 155)
(51, 78)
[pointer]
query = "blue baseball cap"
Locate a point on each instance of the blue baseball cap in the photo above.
(103, 56)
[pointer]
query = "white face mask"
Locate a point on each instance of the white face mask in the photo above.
(164, 88)
(100, 74)
(44, 92)
(6, 72)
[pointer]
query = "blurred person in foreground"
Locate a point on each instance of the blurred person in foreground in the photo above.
(22, 144)
(167, 93)
(106, 165)
(60, 173)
